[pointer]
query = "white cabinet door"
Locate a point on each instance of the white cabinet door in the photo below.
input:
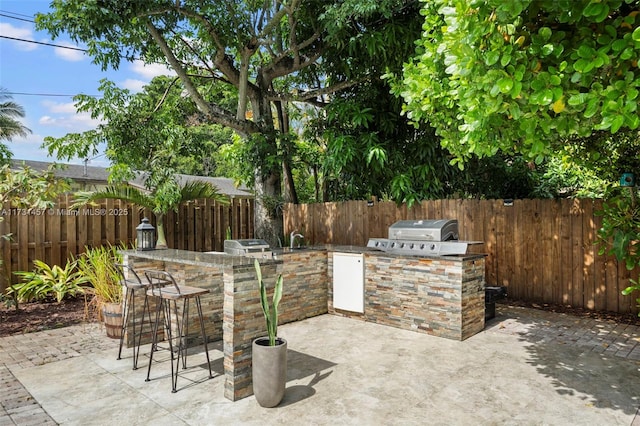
(348, 282)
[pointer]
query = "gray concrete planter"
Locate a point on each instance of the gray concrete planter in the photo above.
(269, 371)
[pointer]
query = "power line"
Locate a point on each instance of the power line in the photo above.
(17, 14)
(16, 18)
(43, 43)
(48, 94)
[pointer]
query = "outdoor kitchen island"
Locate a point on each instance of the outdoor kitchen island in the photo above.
(232, 310)
(438, 295)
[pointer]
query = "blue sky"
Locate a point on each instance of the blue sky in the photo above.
(41, 71)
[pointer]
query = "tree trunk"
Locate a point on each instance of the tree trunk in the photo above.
(268, 209)
(290, 193)
(161, 242)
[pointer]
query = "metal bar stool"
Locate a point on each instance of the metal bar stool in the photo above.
(167, 292)
(131, 284)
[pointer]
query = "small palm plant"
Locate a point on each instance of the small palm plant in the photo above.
(160, 200)
(270, 313)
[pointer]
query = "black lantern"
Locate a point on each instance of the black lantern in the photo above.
(146, 235)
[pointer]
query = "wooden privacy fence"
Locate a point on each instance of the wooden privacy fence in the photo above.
(53, 235)
(542, 250)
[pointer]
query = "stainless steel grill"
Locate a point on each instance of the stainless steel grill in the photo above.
(422, 238)
(248, 247)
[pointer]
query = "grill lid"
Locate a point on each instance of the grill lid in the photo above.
(424, 230)
(245, 246)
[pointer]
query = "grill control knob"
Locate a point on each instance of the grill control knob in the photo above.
(432, 246)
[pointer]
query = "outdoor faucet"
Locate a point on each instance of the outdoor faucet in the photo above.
(293, 237)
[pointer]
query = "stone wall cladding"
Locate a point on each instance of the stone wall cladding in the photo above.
(303, 296)
(440, 296)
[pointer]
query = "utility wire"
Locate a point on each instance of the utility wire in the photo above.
(48, 94)
(16, 18)
(17, 14)
(43, 43)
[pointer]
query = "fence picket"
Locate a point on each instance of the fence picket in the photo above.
(55, 234)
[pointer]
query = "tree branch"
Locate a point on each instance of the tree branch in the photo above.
(211, 111)
(308, 96)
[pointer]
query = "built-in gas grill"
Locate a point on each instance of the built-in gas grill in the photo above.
(248, 247)
(422, 238)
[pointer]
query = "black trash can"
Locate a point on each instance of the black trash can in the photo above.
(491, 294)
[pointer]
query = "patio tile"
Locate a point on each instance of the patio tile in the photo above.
(523, 369)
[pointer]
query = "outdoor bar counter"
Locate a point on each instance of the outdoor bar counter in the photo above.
(438, 295)
(232, 308)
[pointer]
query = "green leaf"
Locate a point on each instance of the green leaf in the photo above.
(592, 9)
(636, 34)
(491, 57)
(580, 65)
(545, 33)
(579, 99)
(627, 54)
(619, 44)
(592, 108)
(585, 51)
(617, 122)
(505, 84)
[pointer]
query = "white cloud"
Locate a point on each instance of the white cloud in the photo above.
(65, 116)
(79, 122)
(70, 55)
(63, 108)
(133, 85)
(9, 30)
(151, 70)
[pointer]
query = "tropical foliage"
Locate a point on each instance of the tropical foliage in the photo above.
(160, 122)
(24, 188)
(10, 126)
(524, 76)
(98, 266)
(49, 282)
(269, 54)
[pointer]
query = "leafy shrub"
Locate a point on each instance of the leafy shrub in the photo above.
(97, 265)
(620, 232)
(45, 281)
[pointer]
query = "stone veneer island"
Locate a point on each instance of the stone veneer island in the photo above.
(442, 296)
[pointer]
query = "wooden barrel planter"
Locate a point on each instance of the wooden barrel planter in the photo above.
(112, 317)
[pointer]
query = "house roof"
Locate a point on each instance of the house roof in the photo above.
(87, 173)
(72, 171)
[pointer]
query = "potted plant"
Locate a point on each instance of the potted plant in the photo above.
(269, 353)
(98, 266)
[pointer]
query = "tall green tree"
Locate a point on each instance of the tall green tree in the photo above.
(370, 149)
(10, 125)
(268, 51)
(150, 131)
(524, 76)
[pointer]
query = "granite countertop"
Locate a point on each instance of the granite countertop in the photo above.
(376, 252)
(193, 257)
(222, 259)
